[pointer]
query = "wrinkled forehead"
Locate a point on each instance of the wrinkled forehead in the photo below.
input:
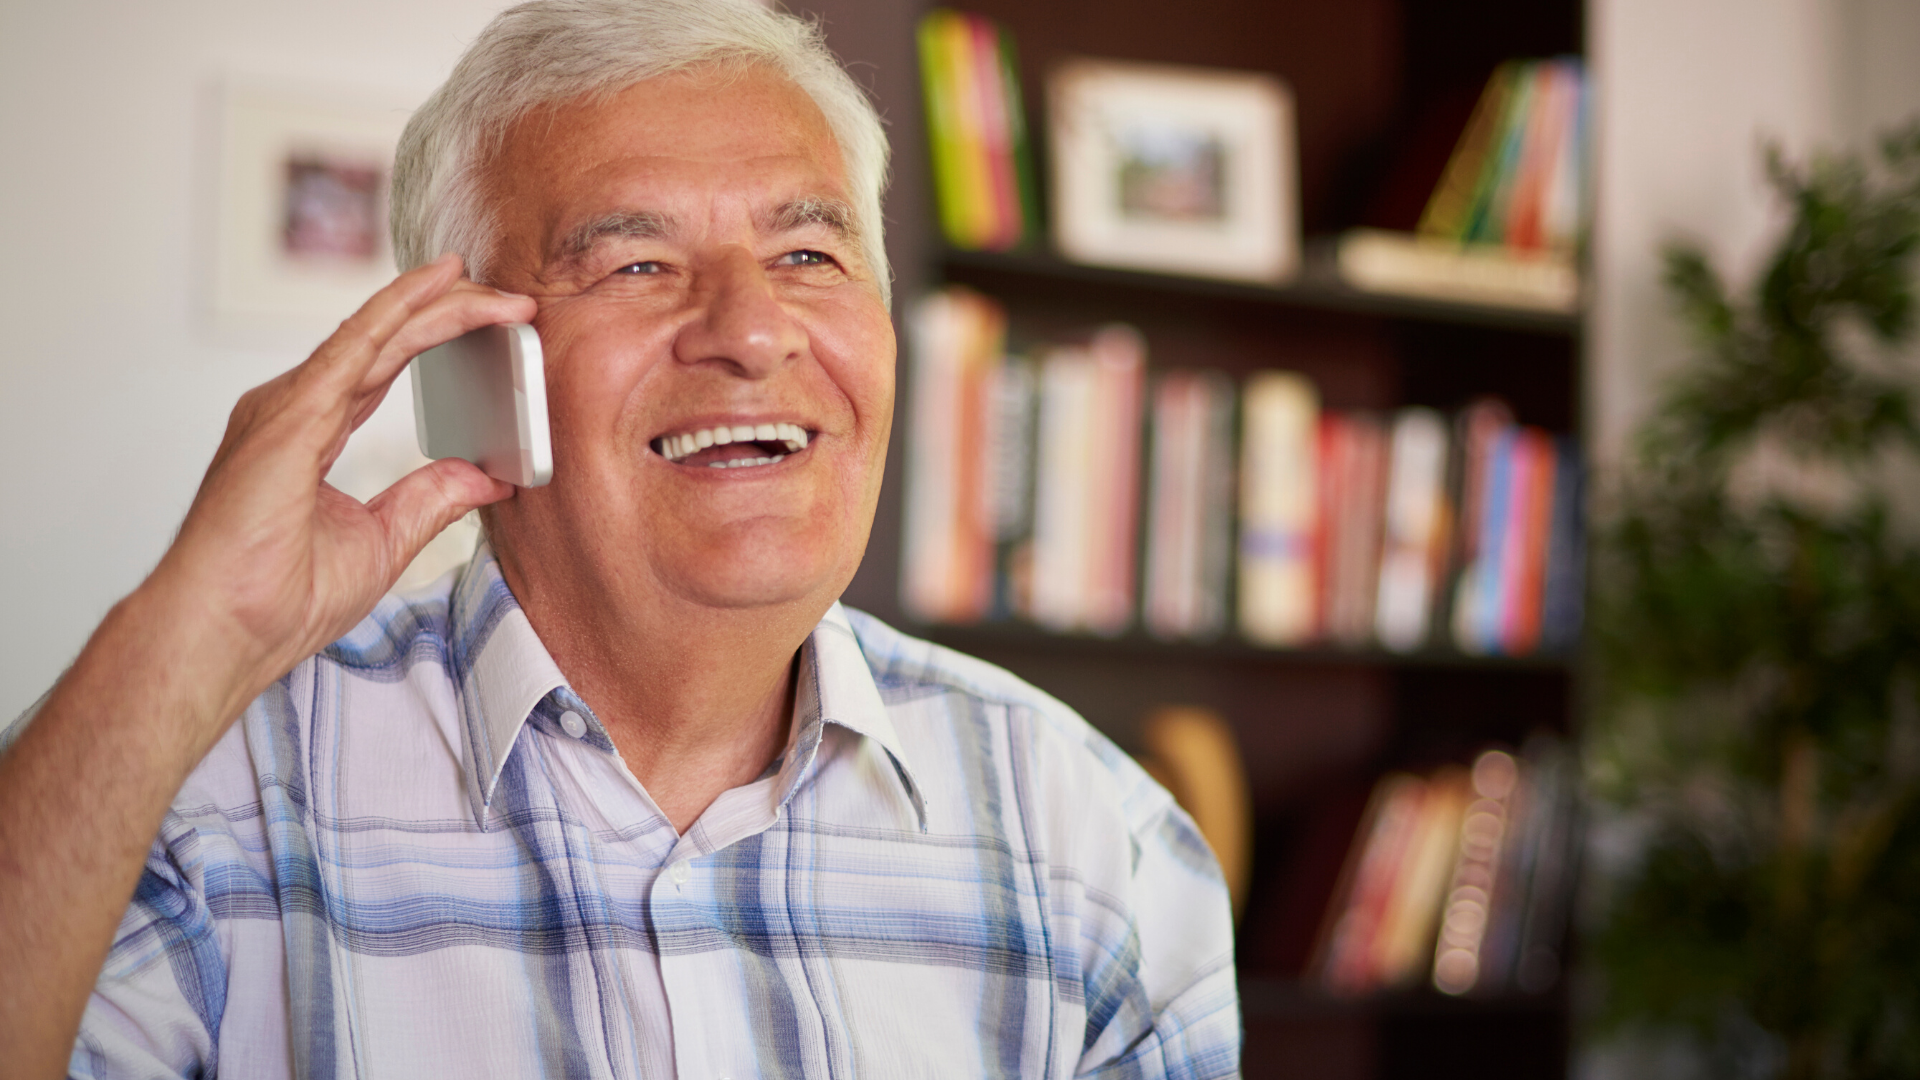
(747, 133)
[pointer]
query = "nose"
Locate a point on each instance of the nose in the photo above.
(738, 322)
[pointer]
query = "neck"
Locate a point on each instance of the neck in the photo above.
(697, 699)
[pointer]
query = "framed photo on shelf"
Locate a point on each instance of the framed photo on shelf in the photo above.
(1178, 170)
(300, 217)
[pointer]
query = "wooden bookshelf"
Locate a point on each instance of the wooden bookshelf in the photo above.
(1318, 288)
(1382, 88)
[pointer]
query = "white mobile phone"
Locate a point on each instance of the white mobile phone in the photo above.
(483, 397)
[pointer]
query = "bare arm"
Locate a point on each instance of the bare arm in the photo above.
(270, 565)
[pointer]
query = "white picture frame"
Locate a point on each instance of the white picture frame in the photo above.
(1177, 170)
(300, 215)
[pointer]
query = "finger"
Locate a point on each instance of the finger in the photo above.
(428, 499)
(340, 362)
(317, 405)
(466, 307)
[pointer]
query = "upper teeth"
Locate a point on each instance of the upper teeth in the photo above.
(675, 447)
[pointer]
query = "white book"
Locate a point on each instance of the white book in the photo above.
(1416, 490)
(1404, 264)
(1061, 520)
(1280, 413)
(933, 459)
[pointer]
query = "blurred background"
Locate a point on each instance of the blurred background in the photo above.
(193, 199)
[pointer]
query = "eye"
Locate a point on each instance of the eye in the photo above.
(640, 268)
(804, 258)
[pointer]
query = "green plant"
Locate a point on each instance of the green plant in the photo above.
(1757, 623)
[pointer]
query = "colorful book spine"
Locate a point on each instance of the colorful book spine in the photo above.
(1461, 877)
(1517, 177)
(1190, 508)
(1031, 487)
(1353, 533)
(1087, 476)
(958, 338)
(1120, 365)
(1278, 509)
(1449, 211)
(976, 132)
(1413, 549)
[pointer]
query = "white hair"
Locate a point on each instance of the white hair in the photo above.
(552, 51)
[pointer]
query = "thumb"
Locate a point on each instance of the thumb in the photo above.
(428, 499)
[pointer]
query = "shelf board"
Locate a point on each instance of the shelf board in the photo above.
(1136, 644)
(1318, 288)
(1267, 998)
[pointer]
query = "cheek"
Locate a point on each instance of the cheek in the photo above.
(860, 354)
(591, 371)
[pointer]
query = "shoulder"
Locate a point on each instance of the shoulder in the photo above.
(392, 663)
(1073, 763)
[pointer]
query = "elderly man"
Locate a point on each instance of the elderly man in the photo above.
(631, 795)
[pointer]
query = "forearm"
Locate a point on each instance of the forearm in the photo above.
(82, 795)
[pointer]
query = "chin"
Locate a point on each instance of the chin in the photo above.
(759, 572)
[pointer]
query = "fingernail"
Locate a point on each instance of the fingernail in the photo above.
(512, 295)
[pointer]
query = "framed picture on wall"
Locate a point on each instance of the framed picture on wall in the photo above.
(300, 219)
(1179, 170)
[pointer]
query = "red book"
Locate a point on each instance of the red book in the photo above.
(1534, 506)
(996, 136)
(1331, 465)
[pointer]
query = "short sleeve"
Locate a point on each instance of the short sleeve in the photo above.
(155, 1011)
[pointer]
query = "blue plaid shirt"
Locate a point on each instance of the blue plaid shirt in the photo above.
(408, 860)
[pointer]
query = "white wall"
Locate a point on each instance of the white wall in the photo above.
(1688, 93)
(113, 391)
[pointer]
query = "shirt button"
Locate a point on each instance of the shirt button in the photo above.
(571, 723)
(679, 873)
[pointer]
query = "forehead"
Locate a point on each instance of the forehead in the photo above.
(699, 135)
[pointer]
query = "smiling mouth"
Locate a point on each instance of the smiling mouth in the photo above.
(739, 446)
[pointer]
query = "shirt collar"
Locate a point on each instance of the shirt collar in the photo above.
(504, 672)
(836, 686)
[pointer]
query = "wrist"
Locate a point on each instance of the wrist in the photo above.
(169, 666)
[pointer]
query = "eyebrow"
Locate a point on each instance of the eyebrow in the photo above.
(795, 214)
(624, 225)
(812, 210)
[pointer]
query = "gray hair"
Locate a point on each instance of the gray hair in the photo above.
(549, 51)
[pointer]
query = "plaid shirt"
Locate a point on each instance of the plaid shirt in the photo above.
(419, 855)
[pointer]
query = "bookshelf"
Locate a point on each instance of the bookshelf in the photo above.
(1382, 89)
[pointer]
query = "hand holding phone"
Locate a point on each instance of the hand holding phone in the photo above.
(483, 397)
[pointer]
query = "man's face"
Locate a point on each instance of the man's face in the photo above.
(699, 272)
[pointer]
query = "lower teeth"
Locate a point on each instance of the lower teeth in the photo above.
(741, 463)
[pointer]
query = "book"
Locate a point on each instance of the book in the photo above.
(1344, 959)
(1565, 584)
(1278, 501)
(1119, 356)
(1413, 549)
(1405, 938)
(1375, 260)
(957, 339)
(1086, 479)
(976, 132)
(1461, 877)
(1190, 507)
(1353, 474)
(1451, 205)
(1505, 220)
